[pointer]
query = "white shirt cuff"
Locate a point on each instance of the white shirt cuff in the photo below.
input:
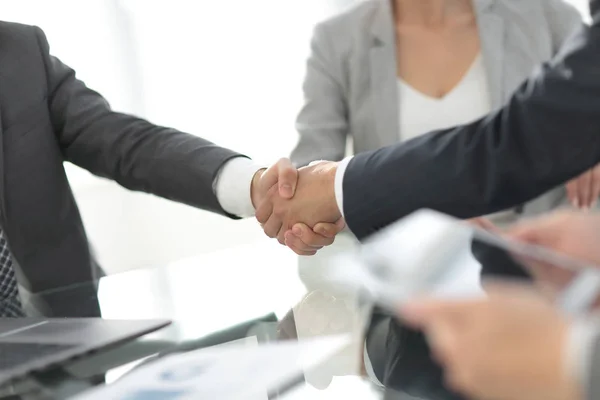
(339, 183)
(579, 348)
(233, 184)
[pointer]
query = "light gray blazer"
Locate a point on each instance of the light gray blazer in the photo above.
(350, 87)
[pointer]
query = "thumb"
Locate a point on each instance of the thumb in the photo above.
(287, 178)
(340, 224)
(283, 174)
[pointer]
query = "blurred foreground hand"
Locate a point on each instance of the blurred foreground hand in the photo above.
(573, 233)
(509, 346)
(583, 191)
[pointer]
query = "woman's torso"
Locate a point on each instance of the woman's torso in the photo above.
(515, 37)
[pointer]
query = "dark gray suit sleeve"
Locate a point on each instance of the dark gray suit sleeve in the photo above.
(548, 133)
(135, 153)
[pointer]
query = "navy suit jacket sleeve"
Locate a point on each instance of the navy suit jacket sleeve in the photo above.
(547, 133)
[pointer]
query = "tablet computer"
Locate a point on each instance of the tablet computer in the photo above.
(417, 254)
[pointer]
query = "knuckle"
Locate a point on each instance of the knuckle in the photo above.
(261, 216)
(270, 232)
(281, 236)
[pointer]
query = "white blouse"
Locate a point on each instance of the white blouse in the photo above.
(468, 101)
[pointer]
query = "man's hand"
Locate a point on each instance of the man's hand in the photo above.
(313, 202)
(572, 233)
(280, 182)
(584, 190)
(509, 346)
(282, 175)
(323, 234)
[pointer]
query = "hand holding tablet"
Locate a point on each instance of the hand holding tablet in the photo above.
(414, 255)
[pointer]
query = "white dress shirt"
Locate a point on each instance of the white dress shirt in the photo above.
(233, 184)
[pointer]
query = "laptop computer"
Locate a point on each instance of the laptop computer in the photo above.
(30, 345)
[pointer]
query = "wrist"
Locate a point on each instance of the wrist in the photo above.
(254, 187)
(332, 204)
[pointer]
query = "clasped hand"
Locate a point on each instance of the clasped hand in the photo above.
(298, 207)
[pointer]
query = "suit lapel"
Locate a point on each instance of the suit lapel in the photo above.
(383, 83)
(491, 34)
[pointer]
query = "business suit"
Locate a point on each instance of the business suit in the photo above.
(548, 133)
(48, 117)
(350, 86)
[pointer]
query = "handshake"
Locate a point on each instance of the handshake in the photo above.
(298, 206)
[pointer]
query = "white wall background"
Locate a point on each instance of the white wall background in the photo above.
(229, 71)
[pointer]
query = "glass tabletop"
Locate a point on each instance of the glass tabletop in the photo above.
(215, 299)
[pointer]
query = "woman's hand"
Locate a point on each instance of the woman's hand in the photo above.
(584, 190)
(572, 233)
